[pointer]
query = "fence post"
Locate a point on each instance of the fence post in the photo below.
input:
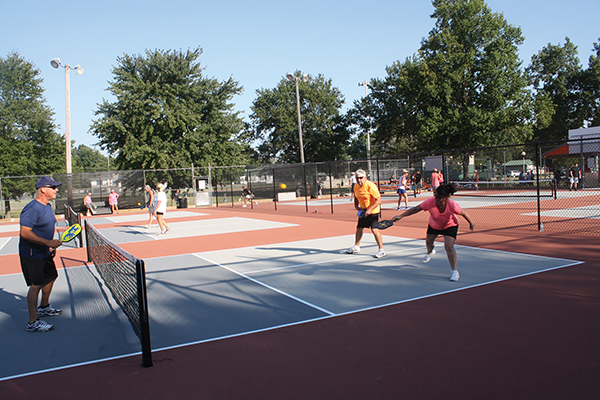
(274, 190)
(305, 188)
(538, 156)
(330, 186)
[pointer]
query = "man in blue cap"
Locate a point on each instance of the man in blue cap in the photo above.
(37, 248)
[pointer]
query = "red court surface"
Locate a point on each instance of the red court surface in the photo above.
(532, 337)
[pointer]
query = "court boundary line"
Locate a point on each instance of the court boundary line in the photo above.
(154, 351)
(5, 243)
(265, 285)
(570, 263)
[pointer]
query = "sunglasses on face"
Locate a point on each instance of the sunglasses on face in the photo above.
(51, 187)
(360, 177)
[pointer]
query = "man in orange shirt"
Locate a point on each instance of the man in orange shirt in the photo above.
(367, 201)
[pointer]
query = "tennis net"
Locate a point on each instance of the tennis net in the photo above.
(125, 276)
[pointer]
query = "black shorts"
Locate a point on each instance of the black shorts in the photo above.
(38, 271)
(452, 231)
(368, 222)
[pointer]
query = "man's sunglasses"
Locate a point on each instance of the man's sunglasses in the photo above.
(51, 187)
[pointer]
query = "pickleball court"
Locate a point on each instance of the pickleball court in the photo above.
(223, 275)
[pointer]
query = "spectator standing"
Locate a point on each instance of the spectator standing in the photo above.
(113, 202)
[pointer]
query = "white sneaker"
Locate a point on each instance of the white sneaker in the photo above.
(39, 326)
(455, 276)
(353, 249)
(244, 205)
(380, 254)
(427, 258)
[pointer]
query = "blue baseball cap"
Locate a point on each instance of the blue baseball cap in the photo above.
(46, 181)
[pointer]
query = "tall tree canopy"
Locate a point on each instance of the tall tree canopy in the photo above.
(29, 144)
(274, 121)
(556, 75)
(167, 115)
(591, 88)
(464, 88)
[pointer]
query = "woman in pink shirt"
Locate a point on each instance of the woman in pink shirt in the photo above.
(443, 221)
(113, 202)
(436, 180)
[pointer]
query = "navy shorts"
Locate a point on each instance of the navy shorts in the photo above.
(38, 271)
(452, 231)
(368, 222)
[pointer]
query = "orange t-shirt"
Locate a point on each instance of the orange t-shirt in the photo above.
(366, 195)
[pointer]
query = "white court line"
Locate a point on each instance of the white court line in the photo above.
(10, 228)
(144, 217)
(298, 323)
(265, 285)
(585, 212)
(5, 242)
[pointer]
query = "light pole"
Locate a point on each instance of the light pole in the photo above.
(523, 154)
(304, 78)
(366, 85)
(80, 70)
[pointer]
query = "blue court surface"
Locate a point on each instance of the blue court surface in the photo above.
(205, 296)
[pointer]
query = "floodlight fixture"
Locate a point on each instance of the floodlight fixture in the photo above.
(55, 63)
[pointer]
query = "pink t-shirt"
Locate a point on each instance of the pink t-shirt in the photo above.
(112, 198)
(445, 220)
(435, 179)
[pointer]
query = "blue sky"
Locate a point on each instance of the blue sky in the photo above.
(255, 42)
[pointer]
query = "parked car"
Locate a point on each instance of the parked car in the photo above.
(513, 173)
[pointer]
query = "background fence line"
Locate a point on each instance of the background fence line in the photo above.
(536, 172)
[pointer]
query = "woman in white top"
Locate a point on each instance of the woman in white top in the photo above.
(161, 208)
(402, 190)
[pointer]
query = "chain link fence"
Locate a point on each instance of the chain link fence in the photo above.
(542, 186)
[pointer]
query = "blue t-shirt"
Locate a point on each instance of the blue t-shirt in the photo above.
(41, 219)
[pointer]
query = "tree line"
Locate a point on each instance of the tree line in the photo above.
(465, 87)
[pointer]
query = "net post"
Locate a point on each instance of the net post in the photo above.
(80, 233)
(144, 319)
(89, 255)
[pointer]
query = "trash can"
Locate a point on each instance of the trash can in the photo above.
(182, 203)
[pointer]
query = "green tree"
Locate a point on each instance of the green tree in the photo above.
(29, 144)
(86, 159)
(463, 89)
(591, 88)
(168, 115)
(274, 122)
(556, 75)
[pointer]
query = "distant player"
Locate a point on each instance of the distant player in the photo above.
(247, 195)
